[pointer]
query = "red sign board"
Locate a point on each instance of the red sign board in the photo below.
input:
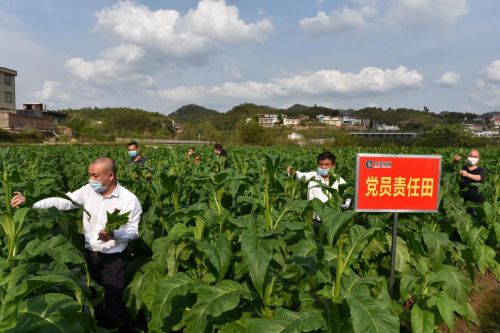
(397, 183)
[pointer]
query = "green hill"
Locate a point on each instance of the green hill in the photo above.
(191, 113)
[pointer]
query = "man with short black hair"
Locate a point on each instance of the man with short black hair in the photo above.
(135, 155)
(103, 249)
(326, 162)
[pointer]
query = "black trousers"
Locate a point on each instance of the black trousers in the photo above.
(108, 270)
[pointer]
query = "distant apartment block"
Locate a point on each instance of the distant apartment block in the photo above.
(7, 89)
(268, 120)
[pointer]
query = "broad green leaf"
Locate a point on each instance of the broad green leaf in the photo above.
(477, 236)
(36, 282)
(358, 240)
(165, 292)
(219, 254)
(484, 256)
(406, 285)
(57, 247)
(213, 301)
(9, 296)
(455, 284)
(273, 326)
(403, 258)
(52, 313)
(421, 321)
(437, 244)
(446, 307)
(308, 320)
(370, 315)
(144, 279)
(160, 253)
(220, 298)
(332, 222)
(257, 253)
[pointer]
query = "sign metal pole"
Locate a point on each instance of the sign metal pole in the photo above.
(393, 253)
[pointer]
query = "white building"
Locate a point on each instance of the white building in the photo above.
(351, 121)
(486, 134)
(291, 121)
(329, 120)
(385, 127)
(268, 120)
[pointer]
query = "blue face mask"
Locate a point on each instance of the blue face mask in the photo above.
(97, 186)
(323, 172)
(132, 153)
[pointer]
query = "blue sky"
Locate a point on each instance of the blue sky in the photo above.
(160, 55)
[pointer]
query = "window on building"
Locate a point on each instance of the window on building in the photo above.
(8, 79)
(8, 97)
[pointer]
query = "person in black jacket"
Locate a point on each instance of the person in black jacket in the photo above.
(471, 174)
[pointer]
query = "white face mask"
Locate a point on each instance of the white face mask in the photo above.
(472, 160)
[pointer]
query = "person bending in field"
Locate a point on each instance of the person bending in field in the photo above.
(471, 174)
(191, 153)
(135, 154)
(219, 151)
(103, 248)
(326, 164)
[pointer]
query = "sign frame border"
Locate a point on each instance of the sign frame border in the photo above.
(359, 155)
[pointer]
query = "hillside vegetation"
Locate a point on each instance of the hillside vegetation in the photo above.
(108, 123)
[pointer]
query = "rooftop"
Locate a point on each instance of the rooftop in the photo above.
(8, 71)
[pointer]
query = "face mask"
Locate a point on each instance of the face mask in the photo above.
(323, 172)
(132, 153)
(472, 160)
(97, 186)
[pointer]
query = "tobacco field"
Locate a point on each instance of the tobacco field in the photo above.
(232, 248)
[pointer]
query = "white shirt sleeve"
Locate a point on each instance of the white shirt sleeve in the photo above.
(130, 230)
(59, 203)
(305, 176)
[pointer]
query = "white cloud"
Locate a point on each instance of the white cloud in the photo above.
(178, 36)
(398, 14)
(492, 72)
(51, 91)
(369, 81)
(338, 21)
(92, 70)
(489, 88)
(449, 79)
(488, 94)
(125, 52)
(116, 65)
(410, 13)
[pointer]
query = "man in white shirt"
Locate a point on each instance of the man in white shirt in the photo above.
(104, 249)
(326, 162)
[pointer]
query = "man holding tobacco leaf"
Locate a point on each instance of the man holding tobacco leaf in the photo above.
(110, 220)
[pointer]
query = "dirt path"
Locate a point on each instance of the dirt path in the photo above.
(485, 300)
